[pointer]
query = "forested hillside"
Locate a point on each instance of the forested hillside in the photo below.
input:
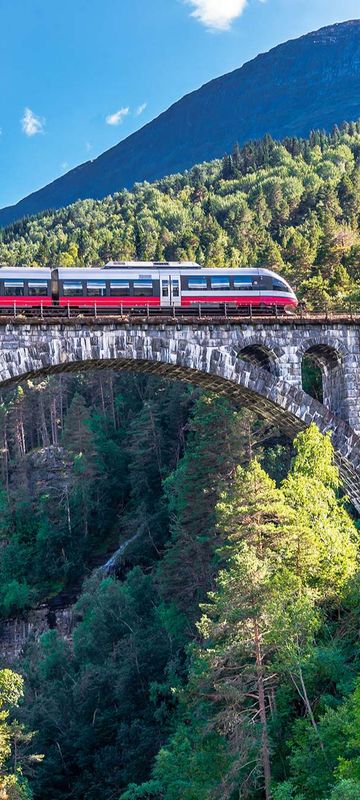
(293, 206)
(306, 83)
(220, 659)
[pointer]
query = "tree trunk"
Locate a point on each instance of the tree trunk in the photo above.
(102, 395)
(53, 418)
(43, 426)
(309, 709)
(61, 398)
(5, 455)
(112, 400)
(265, 752)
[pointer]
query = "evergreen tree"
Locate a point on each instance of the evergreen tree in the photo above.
(325, 546)
(13, 739)
(213, 450)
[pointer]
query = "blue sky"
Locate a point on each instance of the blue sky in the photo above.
(76, 76)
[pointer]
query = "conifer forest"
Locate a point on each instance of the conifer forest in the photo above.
(211, 565)
(293, 206)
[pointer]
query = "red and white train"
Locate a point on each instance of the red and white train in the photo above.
(144, 284)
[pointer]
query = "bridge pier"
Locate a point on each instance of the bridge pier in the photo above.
(334, 348)
(336, 351)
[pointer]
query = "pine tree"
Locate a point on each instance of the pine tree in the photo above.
(230, 682)
(13, 739)
(77, 433)
(213, 449)
(324, 548)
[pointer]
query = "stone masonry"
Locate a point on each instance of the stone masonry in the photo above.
(257, 364)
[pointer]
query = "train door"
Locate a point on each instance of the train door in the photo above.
(170, 294)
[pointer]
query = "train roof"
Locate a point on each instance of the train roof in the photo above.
(151, 265)
(135, 270)
(28, 272)
(139, 268)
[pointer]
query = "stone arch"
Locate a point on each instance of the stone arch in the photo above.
(198, 356)
(328, 358)
(260, 355)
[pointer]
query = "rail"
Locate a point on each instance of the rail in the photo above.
(348, 313)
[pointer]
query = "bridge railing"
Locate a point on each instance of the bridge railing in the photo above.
(200, 311)
(345, 309)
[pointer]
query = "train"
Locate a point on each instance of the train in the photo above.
(144, 284)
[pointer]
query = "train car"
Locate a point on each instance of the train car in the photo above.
(125, 285)
(25, 287)
(154, 284)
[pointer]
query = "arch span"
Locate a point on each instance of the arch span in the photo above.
(179, 352)
(260, 355)
(330, 362)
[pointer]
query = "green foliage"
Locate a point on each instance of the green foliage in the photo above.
(285, 791)
(117, 440)
(13, 784)
(193, 766)
(16, 597)
(262, 629)
(151, 790)
(220, 656)
(312, 381)
(11, 688)
(346, 790)
(325, 547)
(293, 206)
(106, 706)
(214, 448)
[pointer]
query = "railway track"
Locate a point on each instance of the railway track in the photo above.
(201, 312)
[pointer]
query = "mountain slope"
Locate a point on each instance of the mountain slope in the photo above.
(306, 83)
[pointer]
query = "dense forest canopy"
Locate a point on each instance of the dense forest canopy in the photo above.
(219, 658)
(293, 206)
(221, 655)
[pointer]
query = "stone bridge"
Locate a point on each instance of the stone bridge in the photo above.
(257, 364)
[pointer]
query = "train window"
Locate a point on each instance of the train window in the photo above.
(165, 287)
(96, 288)
(175, 287)
(14, 288)
(280, 286)
(197, 282)
(143, 288)
(220, 282)
(73, 288)
(38, 288)
(246, 282)
(120, 288)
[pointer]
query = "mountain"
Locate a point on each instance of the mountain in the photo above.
(306, 83)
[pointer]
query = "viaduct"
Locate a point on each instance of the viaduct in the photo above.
(257, 363)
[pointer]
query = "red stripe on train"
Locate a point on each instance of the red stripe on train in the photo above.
(25, 302)
(154, 302)
(109, 301)
(131, 302)
(241, 301)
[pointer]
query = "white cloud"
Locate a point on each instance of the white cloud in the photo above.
(217, 14)
(140, 109)
(88, 146)
(65, 166)
(117, 117)
(31, 124)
